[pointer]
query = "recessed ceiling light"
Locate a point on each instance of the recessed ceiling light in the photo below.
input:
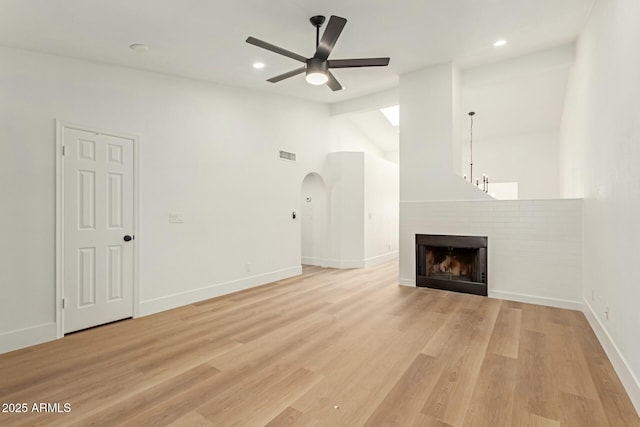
(499, 43)
(138, 47)
(258, 65)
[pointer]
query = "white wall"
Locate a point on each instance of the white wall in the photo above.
(457, 119)
(346, 201)
(426, 137)
(529, 159)
(519, 105)
(381, 198)
(363, 206)
(534, 247)
(210, 151)
(600, 149)
(345, 136)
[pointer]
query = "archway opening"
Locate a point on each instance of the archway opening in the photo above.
(314, 220)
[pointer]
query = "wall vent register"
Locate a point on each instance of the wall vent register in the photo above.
(285, 155)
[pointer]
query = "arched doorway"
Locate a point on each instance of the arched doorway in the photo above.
(314, 220)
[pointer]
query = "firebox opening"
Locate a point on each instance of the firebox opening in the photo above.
(453, 263)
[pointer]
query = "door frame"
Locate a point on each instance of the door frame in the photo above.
(59, 234)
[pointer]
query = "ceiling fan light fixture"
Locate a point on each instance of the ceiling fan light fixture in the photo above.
(317, 78)
(316, 72)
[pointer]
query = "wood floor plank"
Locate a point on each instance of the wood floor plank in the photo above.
(534, 318)
(423, 420)
(120, 412)
(404, 401)
(268, 401)
(493, 398)
(287, 417)
(536, 391)
(506, 335)
(523, 418)
(464, 352)
(192, 419)
(572, 375)
(328, 348)
(578, 411)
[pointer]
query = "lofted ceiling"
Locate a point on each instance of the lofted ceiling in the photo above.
(204, 39)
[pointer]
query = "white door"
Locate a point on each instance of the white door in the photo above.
(98, 229)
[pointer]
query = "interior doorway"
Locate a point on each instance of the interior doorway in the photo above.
(96, 199)
(314, 220)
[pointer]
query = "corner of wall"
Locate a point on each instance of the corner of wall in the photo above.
(620, 364)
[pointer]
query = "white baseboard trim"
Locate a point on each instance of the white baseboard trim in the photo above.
(350, 263)
(620, 365)
(532, 299)
(308, 260)
(345, 263)
(407, 282)
(333, 263)
(379, 259)
(26, 337)
(189, 297)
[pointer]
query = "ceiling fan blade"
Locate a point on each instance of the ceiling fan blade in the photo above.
(291, 73)
(273, 48)
(333, 83)
(330, 37)
(360, 62)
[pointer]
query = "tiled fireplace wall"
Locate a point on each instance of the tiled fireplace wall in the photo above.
(534, 246)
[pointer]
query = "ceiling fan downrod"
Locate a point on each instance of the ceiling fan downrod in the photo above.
(317, 22)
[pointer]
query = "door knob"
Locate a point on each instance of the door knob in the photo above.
(128, 238)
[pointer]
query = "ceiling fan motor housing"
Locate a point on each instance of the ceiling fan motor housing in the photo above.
(317, 65)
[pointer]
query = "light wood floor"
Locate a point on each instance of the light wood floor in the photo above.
(331, 348)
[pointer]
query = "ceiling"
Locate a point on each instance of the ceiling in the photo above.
(205, 39)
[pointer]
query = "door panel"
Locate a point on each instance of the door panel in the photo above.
(98, 213)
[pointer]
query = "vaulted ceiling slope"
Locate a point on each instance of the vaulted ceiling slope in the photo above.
(205, 39)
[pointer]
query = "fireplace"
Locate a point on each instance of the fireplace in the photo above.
(452, 263)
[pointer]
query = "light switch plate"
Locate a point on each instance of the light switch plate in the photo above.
(176, 217)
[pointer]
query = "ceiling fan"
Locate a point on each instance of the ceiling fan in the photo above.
(317, 67)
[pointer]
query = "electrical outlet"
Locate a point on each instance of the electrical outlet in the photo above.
(176, 217)
(247, 267)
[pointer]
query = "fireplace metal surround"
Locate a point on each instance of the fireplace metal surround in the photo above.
(452, 263)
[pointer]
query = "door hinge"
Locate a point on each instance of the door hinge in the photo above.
(64, 304)
(63, 150)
